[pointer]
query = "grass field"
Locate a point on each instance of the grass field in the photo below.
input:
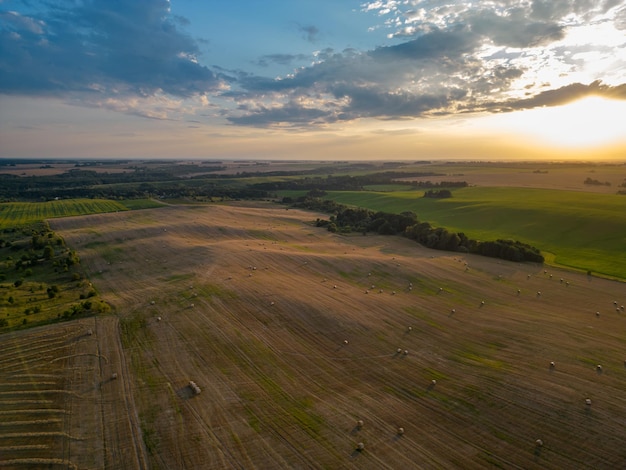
(585, 231)
(18, 214)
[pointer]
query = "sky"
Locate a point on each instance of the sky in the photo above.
(313, 79)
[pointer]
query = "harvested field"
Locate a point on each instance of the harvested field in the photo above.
(255, 306)
(59, 407)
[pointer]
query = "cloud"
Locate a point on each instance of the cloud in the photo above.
(17, 22)
(430, 74)
(100, 46)
(281, 59)
(310, 32)
(436, 44)
(439, 57)
(449, 57)
(514, 30)
(567, 94)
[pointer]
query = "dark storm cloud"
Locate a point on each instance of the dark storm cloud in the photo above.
(102, 46)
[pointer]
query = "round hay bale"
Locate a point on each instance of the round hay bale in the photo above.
(588, 401)
(359, 424)
(345, 341)
(400, 431)
(539, 443)
(114, 376)
(360, 446)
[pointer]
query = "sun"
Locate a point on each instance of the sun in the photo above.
(586, 123)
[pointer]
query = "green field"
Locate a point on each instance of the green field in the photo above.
(19, 214)
(585, 231)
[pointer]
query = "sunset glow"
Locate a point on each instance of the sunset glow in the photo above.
(589, 122)
(312, 79)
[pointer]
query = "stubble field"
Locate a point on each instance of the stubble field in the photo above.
(294, 335)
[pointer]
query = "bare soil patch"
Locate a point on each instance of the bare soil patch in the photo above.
(292, 334)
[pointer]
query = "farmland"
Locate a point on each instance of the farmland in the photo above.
(18, 214)
(255, 306)
(580, 230)
(306, 344)
(55, 389)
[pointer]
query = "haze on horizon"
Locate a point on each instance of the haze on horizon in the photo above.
(317, 80)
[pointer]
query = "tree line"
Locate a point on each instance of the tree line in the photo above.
(345, 219)
(350, 182)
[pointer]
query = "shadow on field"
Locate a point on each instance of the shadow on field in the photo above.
(355, 453)
(185, 393)
(112, 378)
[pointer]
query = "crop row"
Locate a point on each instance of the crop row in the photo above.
(18, 214)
